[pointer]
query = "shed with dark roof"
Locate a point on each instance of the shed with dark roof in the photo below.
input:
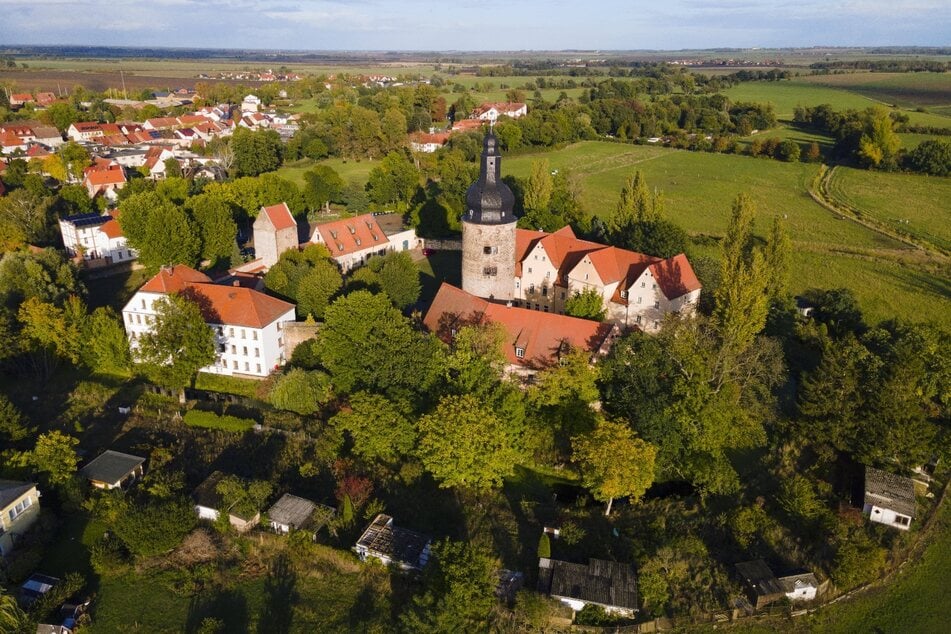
(609, 584)
(889, 498)
(761, 584)
(390, 544)
(292, 513)
(113, 469)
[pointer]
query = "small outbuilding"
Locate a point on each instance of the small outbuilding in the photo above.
(800, 587)
(762, 586)
(19, 510)
(292, 513)
(390, 544)
(113, 470)
(209, 503)
(609, 584)
(889, 498)
(35, 587)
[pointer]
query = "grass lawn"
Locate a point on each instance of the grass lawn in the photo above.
(227, 384)
(919, 205)
(114, 290)
(348, 169)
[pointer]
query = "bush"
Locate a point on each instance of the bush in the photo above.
(544, 546)
(154, 529)
(210, 420)
(108, 556)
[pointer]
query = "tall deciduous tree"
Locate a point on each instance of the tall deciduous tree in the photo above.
(161, 231)
(465, 445)
(106, 347)
(256, 152)
(394, 180)
(380, 428)
(539, 188)
(322, 185)
(366, 344)
(179, 343)
(614, 462)
(55, 457)
(777, 255)
(301, 392)
(216, 225)
(742, 302)
(637, 204)
(587, 304)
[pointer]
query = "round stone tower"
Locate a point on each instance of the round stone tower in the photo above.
(488, 231)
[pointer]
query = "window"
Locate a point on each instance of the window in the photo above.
(654, 286)
(221, 348)
(490, 250)
(231, 332)
(545, 308)
(623, 294)
(20, 507)
(138, 319)
(259, 368)
(656, 304)
(244, 333)
(257, 352)
(143, 304)
(244, 350)
(520, 352)
(130, 318)
(516, 284)
(643, 284)
(247, 366)
(563, 294)
(280, 342)
(491, 271)
(254, 335)
(638, 319)
(640, 299)
(234, 365)
(529, 269)
(585, 276)
(220, 330)
(234, 349)
(548, 275)
(901, 519)
(544, 291)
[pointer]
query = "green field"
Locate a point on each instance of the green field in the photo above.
(917, 205)
(786, 95)
(349, 169)
(888, 278)
(907, 90)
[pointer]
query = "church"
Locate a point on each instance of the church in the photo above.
(540, 271)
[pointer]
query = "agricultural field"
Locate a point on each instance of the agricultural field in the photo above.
(786, 95)
(907, 90)
(888, 278)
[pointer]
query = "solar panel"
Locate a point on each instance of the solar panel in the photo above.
(87, 220)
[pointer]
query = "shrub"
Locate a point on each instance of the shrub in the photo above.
(210, 420)
(544, 546)
(154, 529)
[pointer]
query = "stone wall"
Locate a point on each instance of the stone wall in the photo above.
(489, 275)
(296, 333)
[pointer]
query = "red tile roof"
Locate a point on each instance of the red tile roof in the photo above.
(423, 137)
(280, 216)
(21, 97)
(105, 177)
(542, 336)
(675, 276)
(163, 122)
(237, 305)
(37, 151)
(220, 304)
(349, 235)
(467, 124)
(45, 98)
(502, 107)
(112, 229)
(174, 279)
(8, 139)
(87, 126)
(191, 119)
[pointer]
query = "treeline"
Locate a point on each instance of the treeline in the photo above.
(869, 139)
(885, 66)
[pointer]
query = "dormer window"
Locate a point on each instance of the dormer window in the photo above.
(623, 294)
(352, 229)
(520, 352)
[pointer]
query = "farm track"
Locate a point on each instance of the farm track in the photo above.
(822, 191)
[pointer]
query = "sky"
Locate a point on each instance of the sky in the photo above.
(476, 24)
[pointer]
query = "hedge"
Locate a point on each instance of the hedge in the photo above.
(210, 420)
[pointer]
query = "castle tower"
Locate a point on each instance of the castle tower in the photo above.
(488, 231)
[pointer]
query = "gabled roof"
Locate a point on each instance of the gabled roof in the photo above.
(542, 337)
(791, 583)
(564, 250)
(10, 490)
(174, 279)
(112, 229)
(87, 126)
(111, 466)
(236, 305)
(759, 578)
(349, 235)
(501, 107)
(675, 276)
(887, 490)
(300, 513)
(105, 177)
(37, 151)
(607, 583)
(280, 216)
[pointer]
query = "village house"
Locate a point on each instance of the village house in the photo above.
(248, 324)
(889, 498)
(20, 99)
(492, 111)
(209, 505)
(97, 239)
(392, 545)
(609, 584)
(636, 289)
(84, 131)
(465, 125)
(104, 177)
(534, 341)
(12, 144)
(113, 470)
(275, 231)
(45, 99)
(352, 241)
(33, 132)
(292, 513)
(251, 103)
(19, 509)
(427, 143)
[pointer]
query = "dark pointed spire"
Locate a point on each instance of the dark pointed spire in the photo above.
(489, 200)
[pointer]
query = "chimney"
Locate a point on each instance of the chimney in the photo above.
(236, 282)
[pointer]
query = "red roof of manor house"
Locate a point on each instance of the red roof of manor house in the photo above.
(513, 106)
(280, 216)
(541, 336)
(349, 235)
(220, 304)
(674, 275)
